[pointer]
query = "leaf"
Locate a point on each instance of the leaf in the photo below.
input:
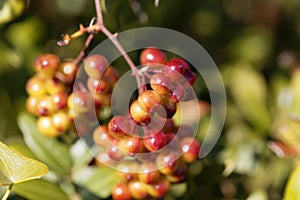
(50, 151)
(249, 91)
(40, 189)
(292, 191)
(99, 181)
(15, 168)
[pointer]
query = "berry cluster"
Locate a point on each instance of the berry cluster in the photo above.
(148, 133)
(57, 101)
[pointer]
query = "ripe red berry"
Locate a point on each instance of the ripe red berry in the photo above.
(61, 121)
(101, 136)
(80, 102)
(152, 55)
(175, 64)
(167, 161)
(138, 114)
(180, 61)
(60, 100)
(95, 66)
(154, 140)
(149, 99)
(160, 83)
(68, 70)
(114, 152)
(46, 65)
(190, 148)
(159, 189)
(190, 77)
(131, 145)
(121, 192)
(45, 106)
(148, 173)
(97, 86)
(179, 174)
(119, 127)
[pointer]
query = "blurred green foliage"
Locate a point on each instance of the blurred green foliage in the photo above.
(254, 43)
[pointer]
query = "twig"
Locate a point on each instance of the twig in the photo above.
(9, 189)
(114, 40)
(82, 53)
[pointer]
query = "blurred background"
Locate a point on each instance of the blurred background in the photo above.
(254, 43)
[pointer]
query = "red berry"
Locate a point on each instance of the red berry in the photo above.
(121, 192)
(152, 55)
(182, 62)
(155, 140)
(68, 70)
(97, 86)
(175, 64)
(159, 189)
(167, 161)
(61, 121)
(45, 106)
(149, 99)
(31, 104)
(80, 102)
(179, 174)
(60, 100)
(190, 76)
(190, 148)
(160, 83)
(46, 64)
(114, 152)
(131, 145)
(148, 173)
(138, 114)
(95, 66)
(119, 127)
(101, 136)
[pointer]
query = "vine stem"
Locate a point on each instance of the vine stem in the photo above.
(117, 44)
(9, 189)
(82, 53)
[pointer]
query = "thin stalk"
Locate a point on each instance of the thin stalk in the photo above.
(9, 189)
(116, 43)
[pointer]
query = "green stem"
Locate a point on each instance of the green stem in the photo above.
(9, 189)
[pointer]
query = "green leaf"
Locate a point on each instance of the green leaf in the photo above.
(292, 191)
(15, 168)
(49, 150)
(40, 189)
(249, 91)
(99, 181)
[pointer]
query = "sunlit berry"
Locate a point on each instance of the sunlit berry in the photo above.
(121, 192)
(46, 127)
(152, 55)
(35, 86)
(154, 140)
(190, 148)
(46, 65)
(61, 121)
(159, 188)
(68, 70)
(138, 114)
(95, 66)
(148, 173)
(138, 189)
